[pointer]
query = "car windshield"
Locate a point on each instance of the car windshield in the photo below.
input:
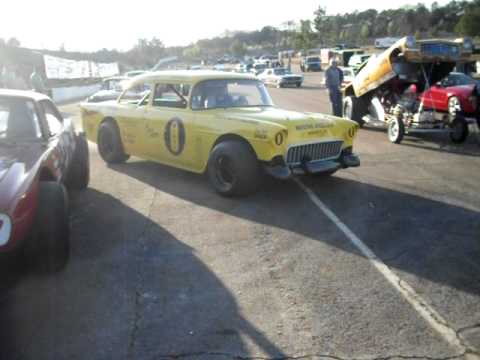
(18, 120)
(313, 59)
(211, 94)
(461, 79)
(282, 71)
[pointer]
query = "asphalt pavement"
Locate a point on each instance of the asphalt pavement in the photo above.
(381, 261)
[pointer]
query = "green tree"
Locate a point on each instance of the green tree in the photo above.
(238, 48)
(469, 23)
(305, 38)
(365, 31)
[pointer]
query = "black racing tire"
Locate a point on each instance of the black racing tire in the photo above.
(454, 106)
(233, 169)
(460, 133)
(79, 173)
(49, 248)
(110, 144)
(354, 109)
(396, 131)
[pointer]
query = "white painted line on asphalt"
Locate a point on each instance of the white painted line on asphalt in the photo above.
(433, 318)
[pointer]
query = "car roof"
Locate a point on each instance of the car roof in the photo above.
(191, 76)
(30, 95)
(116, 78)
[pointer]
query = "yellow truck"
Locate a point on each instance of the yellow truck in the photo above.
(392, 88)
(224, 124)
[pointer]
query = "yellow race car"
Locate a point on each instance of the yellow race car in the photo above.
(221, 123)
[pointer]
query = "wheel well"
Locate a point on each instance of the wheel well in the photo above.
(109, 119)
(349, 91)
(46, 175)
(233, 137)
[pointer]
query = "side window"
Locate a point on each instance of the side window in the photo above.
(53, 118)
(19, 120)
(170, 95)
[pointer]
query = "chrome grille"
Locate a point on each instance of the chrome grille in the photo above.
(314, 152)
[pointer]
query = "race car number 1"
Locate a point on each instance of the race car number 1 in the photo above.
(175, 136)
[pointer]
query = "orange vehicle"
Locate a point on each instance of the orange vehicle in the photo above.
(387, 89)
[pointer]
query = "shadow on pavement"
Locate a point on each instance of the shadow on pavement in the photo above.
(131, 291)
(429, 239)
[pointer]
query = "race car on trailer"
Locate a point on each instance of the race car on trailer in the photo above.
(391, 88)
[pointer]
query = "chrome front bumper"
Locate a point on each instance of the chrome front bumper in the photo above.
(285, 172)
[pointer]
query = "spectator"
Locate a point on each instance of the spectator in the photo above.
(37, 82)
(333, 82)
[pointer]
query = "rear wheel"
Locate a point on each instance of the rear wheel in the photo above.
(354, 109)
(233, 169)
(110, 144)
(396, 131)
(460, 131)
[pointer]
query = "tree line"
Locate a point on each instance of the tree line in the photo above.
(354, 28)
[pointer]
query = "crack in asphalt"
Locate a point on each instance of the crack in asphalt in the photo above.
(466, 347)
(469, 327)
(139, 285)
(324, 356)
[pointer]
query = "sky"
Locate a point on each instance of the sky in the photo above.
(89, 25)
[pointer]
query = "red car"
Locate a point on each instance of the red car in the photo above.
(457, 93)
(39, 154)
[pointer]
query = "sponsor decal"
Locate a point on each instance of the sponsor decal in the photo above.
(260, 134)
(320, 132)
(175, 136)
(321, 125)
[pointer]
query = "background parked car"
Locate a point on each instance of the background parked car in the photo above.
(134, 73)
(281, 77)
(111, 89)
(311, 63)
(356, 60)
(348, 75)
(457, 93)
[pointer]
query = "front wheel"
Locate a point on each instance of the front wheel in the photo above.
(396, 131)
(49, 248)
(459, 130)
(454, 106)
(79, 173)
(233, 169)
(110, 144)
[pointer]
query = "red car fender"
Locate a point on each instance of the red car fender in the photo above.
(23, 216)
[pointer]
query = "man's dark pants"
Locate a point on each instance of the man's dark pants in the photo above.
(336, 100)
